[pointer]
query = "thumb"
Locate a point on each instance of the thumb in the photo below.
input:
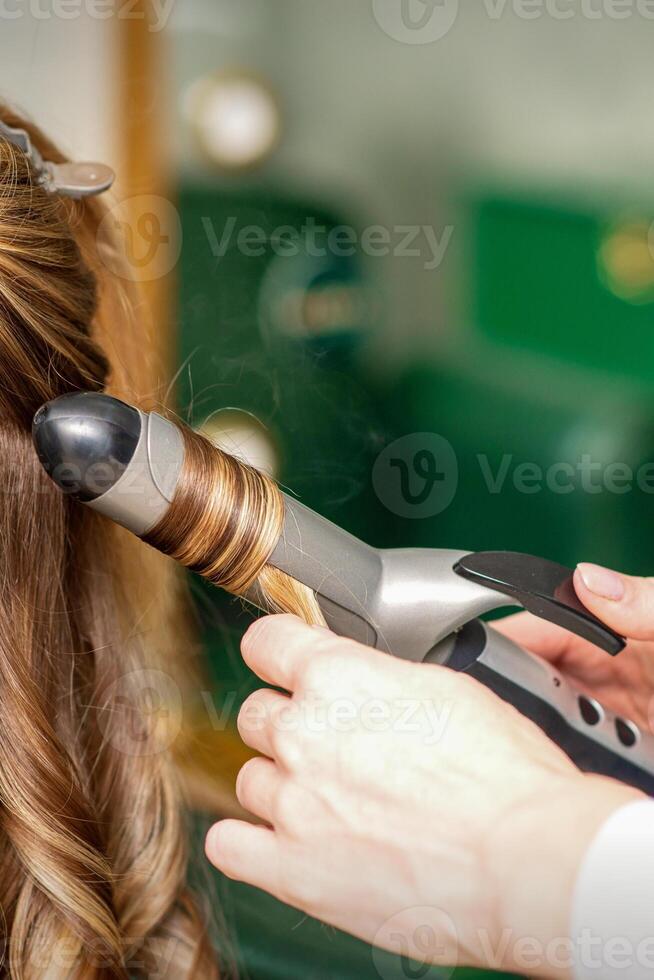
(623, 602)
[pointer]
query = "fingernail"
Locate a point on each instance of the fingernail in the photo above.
(601, 581)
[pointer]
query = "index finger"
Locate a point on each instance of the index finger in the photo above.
(277, 648)
(546, 639)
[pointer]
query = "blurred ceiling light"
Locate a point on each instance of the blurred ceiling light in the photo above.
(242, 435)
(318, 311)
(626, 260)
(236, 119)
(311, 297)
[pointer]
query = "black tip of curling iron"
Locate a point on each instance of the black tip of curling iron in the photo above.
(85, 441)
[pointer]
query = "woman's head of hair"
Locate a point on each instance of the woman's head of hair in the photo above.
(48, 289)
(92, 842)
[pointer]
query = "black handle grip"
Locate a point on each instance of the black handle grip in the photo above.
(588, 754)
(543, 587)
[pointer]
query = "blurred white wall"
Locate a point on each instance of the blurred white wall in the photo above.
(545, 98)
(391, 131)
(61, 72)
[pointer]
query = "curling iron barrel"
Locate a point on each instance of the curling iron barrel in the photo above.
(418, 604)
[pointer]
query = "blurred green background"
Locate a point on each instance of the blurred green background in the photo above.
(384, 236)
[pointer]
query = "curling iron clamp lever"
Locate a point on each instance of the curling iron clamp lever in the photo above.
(543, 587)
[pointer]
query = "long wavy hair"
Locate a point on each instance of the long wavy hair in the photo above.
(93, 854)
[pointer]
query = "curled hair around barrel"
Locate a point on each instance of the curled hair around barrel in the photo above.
(224, 522)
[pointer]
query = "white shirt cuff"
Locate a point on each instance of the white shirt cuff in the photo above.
(613, 907)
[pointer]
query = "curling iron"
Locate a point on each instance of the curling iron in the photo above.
(418, 604)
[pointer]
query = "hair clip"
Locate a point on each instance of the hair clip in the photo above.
(71, 179)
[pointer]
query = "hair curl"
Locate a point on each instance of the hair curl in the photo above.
(93, 852)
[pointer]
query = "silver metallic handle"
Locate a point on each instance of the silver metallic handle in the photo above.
(402, 601)
(125, 464)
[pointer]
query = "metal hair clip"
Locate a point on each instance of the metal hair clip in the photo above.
(71, 179)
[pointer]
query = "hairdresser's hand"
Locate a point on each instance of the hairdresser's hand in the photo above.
(406, 804)
(625, 683)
